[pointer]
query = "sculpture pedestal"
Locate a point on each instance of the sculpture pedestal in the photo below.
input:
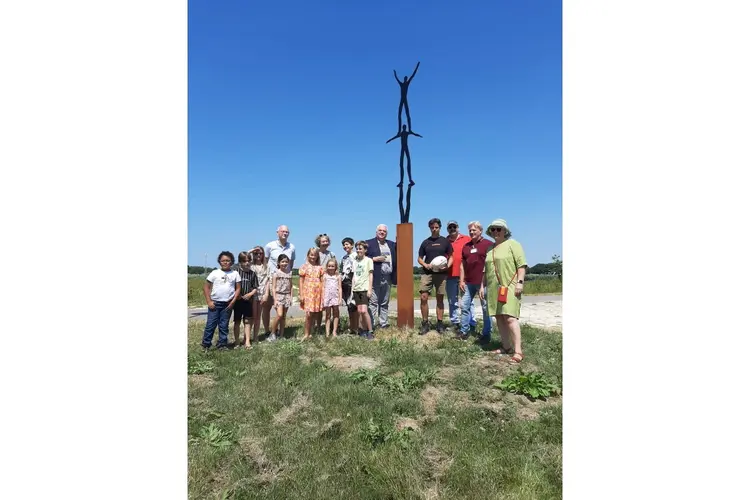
(405, 274)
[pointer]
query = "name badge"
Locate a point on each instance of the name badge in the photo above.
(473, 250)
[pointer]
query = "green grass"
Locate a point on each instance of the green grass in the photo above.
(539, 286)
(422, 420)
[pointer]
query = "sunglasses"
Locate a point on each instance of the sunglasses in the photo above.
(496, 229)
(452, 227)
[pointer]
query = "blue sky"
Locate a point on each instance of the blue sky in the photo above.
(291, 102)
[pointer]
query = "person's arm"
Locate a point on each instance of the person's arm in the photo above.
(341, 291)
(237, 290)
(207, 293)
(394, 263)
(254, 284)
(413, 74)
(461, 276)
(299, 291)
(369, 289)
(395, 75)
(449, 253)
(273, 288)
(420, 257)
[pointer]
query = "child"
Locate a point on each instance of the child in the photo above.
(260, 268)
(332, 295)
(281, 291)
(322, 242)
(310, 288)
(221, 289)
(362, 288)
(243, 308)
(347, 275)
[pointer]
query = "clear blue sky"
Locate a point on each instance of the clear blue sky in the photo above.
(291, 102)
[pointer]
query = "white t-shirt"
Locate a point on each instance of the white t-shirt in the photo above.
(223, 284)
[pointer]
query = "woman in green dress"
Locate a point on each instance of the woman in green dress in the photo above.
(505, 265)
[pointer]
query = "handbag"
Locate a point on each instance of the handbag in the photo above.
(502, 291)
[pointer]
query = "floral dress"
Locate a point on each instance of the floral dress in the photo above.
(283, 288)
(331, 291)
(263, 274)
(312, 291)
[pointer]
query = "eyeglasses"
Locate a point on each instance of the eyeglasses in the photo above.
(496, 229)
(452, 227)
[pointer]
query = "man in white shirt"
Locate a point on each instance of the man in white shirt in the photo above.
(273, 250)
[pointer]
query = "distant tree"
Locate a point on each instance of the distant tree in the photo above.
(199, 269)
(557, 266)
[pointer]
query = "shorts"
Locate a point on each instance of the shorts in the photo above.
(437, 280)
(360, 298)
(346, 290)
(243, 309)
(282, 299)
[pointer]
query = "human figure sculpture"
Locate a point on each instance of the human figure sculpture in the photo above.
(404, 135)
(404, 104)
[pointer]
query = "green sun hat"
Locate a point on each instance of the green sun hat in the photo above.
(497, 223)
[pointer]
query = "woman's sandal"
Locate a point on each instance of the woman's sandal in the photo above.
(502, 351)
(515, 359)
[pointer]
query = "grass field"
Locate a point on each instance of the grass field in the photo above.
(543, 285)
(402, 417)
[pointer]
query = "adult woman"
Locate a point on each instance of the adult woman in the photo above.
(505, 265)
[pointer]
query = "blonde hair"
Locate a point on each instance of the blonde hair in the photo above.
(315, 252)
(335, 264)
(475, 223)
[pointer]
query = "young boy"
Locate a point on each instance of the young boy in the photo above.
(243, 308)
(362, 288)
(221, 289)
(347, 275)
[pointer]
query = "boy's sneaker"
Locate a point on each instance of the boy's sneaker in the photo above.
(205, 349)
(370, 336)
(222, 347)
(440, 327)
(424, 328)
(271, 337)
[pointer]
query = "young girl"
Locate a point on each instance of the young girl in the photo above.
(244, 307)
(310, 288)
(362, 288)
(260, 268)
(221, 289)
(322, 241)
(281, 290)
(332, 295)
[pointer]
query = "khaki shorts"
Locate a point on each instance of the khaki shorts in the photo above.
(427, 281)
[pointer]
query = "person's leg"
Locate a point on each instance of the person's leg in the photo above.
(256, 319)
(466, 303)
(353, 320)
(335, 311)
(364, 318)
(248, 322)
(487, 325)
(236, 327)
(502, 327)
(451, 289)
(267, 316)
(439, 294)
(329, 312)
(513, 327)
(275, 323)
(308, 322)
(372, 306)
(224, 325)
(384, 295)
(212, 321)
(425, 287)
(282, 321)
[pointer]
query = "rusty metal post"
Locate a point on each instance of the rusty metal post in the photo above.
(405, 288)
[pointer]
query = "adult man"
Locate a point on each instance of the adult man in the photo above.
(273, 250)
(430, 248)
(473, 254)
(451, 284)
(383, 255)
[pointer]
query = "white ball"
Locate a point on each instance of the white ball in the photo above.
(439, 263)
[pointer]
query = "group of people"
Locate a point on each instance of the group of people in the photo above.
(471, 265)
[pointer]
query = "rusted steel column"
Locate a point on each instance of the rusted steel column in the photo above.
(405, 260)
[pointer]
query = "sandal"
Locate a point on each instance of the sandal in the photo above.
(515, 359)
(503, 350)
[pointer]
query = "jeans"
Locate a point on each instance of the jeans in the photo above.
(378, 307)
(219, 316)
(451, 290)
(466, 302)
